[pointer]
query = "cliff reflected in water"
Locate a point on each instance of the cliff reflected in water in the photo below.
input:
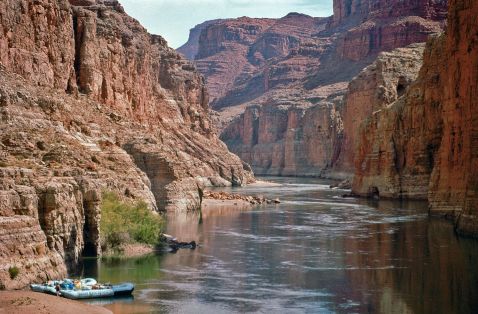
(434, 271)
(315, 252)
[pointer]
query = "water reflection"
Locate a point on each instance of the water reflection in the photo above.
(315, 252)
(434, 272)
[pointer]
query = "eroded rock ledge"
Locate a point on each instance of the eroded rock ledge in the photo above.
(89, 101)
(277, 83)
(425, 144)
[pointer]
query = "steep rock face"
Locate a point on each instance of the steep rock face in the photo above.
(425, 141)
(69, 214)
(396, 146)
(181, 165)
(352, 11)
(454, 182)
(303, 61)
(118, 63)
(297, 51)
(36, 41)
(23, 244)
(244, 58)
(286, 139)
(214, 58)
(89, 101)
(191, 48)
(378, 35)
(377, 86)
(56, 161)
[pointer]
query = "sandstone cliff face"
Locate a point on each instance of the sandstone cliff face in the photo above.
(89, 101)
(377, 86)
(191, 48)
(304, 62)
(286, 139)
(56, 160)
(395, 148)
(378, 35)
(454, 181)
(352, 11)
(215, 43)
(36, 41)
(119, 64)
(423, 144)
(245, 58)
(22, 242)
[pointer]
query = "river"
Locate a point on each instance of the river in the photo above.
(316, 252)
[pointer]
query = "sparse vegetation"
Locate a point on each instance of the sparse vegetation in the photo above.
(124, 222)
(13, 271)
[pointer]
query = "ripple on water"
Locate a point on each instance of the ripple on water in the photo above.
(316, 252)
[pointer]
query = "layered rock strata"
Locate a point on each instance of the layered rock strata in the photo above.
(423, 145)
(301, 61)
(287, 140)
(89, 102)
(374, 88)
(190, 49)
(353, 11)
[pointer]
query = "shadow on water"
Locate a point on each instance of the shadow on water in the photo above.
(315, 252)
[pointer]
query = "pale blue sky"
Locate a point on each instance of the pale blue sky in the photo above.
(173, 18)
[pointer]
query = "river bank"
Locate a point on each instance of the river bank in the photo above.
(314, 252)
(27, 302)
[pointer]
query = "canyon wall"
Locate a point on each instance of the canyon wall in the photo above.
(190, 49)
(424, 144)
(375, 87)
(287, 140)
(454, 180)
(36, 41)
(353, 11)
(300, 61)
(90, 102)
(396, 145)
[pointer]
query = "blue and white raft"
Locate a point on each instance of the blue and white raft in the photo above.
(87, 288)
(48, 287)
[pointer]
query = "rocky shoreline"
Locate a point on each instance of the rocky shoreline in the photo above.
(225, 196)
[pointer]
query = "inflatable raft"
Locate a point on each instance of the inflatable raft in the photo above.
(99, 291)
(48, 287)
(84, 289)
(65, 284)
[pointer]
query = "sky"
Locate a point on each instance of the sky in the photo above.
(173, 19)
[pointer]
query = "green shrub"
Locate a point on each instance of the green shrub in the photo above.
(13, 271)
(123, 222)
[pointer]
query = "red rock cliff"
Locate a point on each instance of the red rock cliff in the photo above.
(425, 143)
(304, 62)
(352, 11)
(89, 101)
(377, 86)
(454, 181)
(190, 49)
(286, 139)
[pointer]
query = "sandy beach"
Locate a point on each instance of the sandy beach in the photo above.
(28, 302)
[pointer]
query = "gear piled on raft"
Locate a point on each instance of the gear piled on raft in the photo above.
(87, 288)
